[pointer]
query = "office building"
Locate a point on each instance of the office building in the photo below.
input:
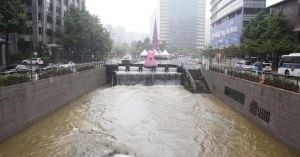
(182, 23)
(291, 9)
(228, 18)
(46, 22)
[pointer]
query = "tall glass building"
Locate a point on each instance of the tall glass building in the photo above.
(182, 23)
(228, 18)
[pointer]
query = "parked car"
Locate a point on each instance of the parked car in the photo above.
(69, 65)
(35, 61)
(14, 69)
(262, 67)
(244, 65)
(50, 66)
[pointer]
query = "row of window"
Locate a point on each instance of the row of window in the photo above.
(40, 2)
(49, 18)
(29, 30)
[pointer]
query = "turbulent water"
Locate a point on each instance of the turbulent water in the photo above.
(156, 121)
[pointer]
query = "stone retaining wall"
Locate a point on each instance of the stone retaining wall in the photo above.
(274, 109)
(22, 105)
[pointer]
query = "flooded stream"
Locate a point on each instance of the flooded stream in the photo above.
(156, 121)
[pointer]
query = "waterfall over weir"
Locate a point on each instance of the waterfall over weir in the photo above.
(147, 77)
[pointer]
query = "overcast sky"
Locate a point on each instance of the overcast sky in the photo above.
(134, 15)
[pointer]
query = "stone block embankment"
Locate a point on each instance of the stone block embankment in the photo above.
(274, 109)
(22, 105)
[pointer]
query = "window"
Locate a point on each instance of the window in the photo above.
(291, 60)
(28, 2)
(49, 19)
(40, 16)
(40, 3)
(58, 22)
(40, 30)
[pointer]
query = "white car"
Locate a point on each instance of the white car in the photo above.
(14, 69)
(35, 61)
(67, 65)
(244, 65)
(70, 65)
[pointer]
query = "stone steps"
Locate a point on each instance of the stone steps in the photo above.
(199, 80)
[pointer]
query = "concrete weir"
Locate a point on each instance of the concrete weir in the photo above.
(148, 77)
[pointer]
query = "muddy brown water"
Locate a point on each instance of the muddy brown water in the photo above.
(156, 121)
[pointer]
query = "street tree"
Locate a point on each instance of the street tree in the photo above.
(12, 20)
(147, 44)
(163, 45)
(268, 34)
(120, 49)
(84, 36)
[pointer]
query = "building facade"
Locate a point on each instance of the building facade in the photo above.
(291, 9)
(182, 23)
(46, 22)
(228, 18)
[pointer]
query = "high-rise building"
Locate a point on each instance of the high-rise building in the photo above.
(228, 18)
(182, 23)
(46, 22)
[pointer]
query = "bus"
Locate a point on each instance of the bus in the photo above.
(290, 65)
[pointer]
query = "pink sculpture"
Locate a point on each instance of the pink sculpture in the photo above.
(150, 60)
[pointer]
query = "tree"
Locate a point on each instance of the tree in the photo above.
(232, 51)
(12, 20)
(268, 34)
(147, 44)
(84, 36)
(163, 45)
(120, 49)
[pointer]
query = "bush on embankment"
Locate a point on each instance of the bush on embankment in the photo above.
(85, 67)
(54, 73)
(13, 79)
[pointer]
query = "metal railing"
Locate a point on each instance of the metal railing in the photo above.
(191, 80)
(14, 78)
(290, 83)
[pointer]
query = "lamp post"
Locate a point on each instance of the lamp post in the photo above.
(210, 58)
(34, 54)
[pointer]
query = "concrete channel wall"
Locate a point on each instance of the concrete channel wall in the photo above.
(24, 104)
(276, 110)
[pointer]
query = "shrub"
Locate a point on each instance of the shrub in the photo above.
(54, 73)
(13, 79)
(85, 67)
(282, 83)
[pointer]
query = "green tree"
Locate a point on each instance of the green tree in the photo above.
(163, 45)
(252, 35)
(120, 49)
(147, 44)
(84, 36)
(12, 20)
(268, 34)
(232, 51)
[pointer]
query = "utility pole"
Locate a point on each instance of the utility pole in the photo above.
(3, 54)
